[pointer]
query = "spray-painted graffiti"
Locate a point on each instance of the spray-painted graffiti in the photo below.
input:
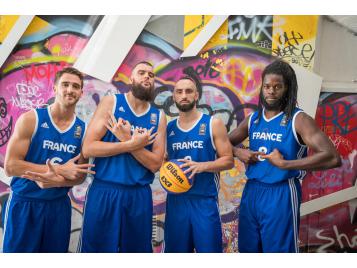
(230, 76)
(334, 229)
(253, 29)
(294, 39)
(290, 48)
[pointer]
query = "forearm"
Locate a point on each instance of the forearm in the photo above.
(19, 167)
(105, 149)
(220, 164)
(70, 183)
(317, 161)
(62, 183)
(239, 153)
(148, 159)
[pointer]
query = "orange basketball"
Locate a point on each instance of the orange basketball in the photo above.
(173, 179)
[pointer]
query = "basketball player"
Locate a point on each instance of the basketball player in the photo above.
(128, 146)
(200, 142)
(38, 211)
(279, 133)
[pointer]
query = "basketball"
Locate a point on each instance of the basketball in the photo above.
(173, 179)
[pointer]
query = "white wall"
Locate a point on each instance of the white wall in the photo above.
(336, 55)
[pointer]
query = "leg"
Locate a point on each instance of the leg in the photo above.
(280, 226)
(57, 229)
(206, 225)
(136, 231)
(23, 226)
(178, 231)
(101, 221)
(249, 240)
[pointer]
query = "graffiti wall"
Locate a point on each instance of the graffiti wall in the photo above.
(333, 229)
(230, 72)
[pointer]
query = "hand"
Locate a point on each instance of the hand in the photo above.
(143, 137)
(72, 171)
(275, 158)
(246, 156)
(193, 167)
(121, 129)
(46, 180)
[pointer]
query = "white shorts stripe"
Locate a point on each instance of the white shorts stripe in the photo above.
(6, 217)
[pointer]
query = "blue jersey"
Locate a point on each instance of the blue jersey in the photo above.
(195, 144)
(265, 135)
(124, 168)
(49, 142)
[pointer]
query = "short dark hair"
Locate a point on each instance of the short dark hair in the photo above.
(187, 77)
(280, 67)
(143, 62)
(69, 70)
(194, 78)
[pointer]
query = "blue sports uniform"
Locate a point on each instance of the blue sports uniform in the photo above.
(269, 210)
(192, 220)
(39, 220)
(118, 209)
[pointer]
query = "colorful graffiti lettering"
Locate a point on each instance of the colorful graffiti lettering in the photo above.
(230, 75)
(333, 229)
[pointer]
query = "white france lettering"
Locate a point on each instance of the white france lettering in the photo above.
(187, 145)
(59, 147)
(267, 136)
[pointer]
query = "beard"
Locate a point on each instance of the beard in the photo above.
(276, 105)
(185, 107)
(142, 93)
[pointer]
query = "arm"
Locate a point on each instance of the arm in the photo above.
(224, 152)
(19, 143)
(15, 165)
(236, 137)
(325, 155)
(52, 179)
(92, 145)
(153, 159)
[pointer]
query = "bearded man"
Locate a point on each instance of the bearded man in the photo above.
(126, 136)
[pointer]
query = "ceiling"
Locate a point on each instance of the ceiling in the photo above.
(349, 22)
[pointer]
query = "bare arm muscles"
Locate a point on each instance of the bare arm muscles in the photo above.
(239, 134)
(19, 143)
(223, 148)
(325, 155)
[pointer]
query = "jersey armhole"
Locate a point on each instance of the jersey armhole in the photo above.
(294, 129)
(85, 131)
(161, 114)
(36, 125)
(249, 120)
(114, 104)
(211, 133)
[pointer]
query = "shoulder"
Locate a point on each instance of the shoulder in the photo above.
(28, 118)
(300, 117)
(107, 100)
(26, 123)
(216, 121)
(304, 123)
(217, 125)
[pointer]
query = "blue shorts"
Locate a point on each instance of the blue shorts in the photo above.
(192, 224)
(117, 218)
(32, 225)
(269, 217)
